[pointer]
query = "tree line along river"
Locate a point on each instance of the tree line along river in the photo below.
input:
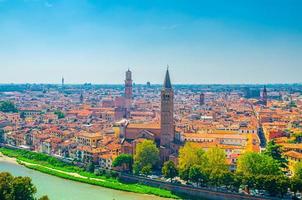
(62, 189)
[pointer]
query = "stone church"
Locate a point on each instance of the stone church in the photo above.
(162, 134)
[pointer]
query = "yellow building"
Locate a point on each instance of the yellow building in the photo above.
(88, 139)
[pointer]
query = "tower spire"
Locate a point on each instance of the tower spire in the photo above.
(167, 82)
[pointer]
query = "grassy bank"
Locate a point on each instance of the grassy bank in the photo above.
(53, 166)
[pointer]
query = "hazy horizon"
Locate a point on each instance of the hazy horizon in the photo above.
(204, 42)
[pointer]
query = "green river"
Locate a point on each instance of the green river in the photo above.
(61, 189)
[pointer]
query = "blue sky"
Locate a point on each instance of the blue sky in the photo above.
(215, 41)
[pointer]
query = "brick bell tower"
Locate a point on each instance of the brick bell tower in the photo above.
(167, 119)
(128, 89)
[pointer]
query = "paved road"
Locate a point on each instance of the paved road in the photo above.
(262, 138)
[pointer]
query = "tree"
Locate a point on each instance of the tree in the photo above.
(90, 167)
(252, 164)
(23, 188)
(216, 165)
(125, 161)
(146, 170)
(231, 181)
(169, 170)
(197, 175)
(1, 136)
(275, 151)
(283, 183)
(189, 155)
(22, 115)
(274, 185)
(296, 185)
(216, 159)
(261, 171)
(5, 186)
(17, 188)
(44, 198)
(146, 155)
(60, 114)
(298, 170)
(8, 107)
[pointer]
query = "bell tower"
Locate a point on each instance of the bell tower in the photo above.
(167, 109)
(128, 89)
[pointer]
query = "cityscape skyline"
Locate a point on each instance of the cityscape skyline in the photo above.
(150, 99)
(204, 42)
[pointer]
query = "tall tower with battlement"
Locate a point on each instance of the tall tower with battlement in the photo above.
(128, 89)
(264, 96)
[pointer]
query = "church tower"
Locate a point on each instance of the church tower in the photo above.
(264, 96)
(63, 82)
(128, 89)
(201, 99)
(128, 85)
(167, 109)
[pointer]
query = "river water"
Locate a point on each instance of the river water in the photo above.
(61, 189)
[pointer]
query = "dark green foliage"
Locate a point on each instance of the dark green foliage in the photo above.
(8, 107)
(296, 185)
(1, 135)
(147, 169)
(44, 198)
(292, 104)
(16, 188)
(275, 151)
(274, 185)
(169, 170)
(198, 175)
(125, 161)
(22, 115)
(90, 167)
(23, 188)
(60, 114)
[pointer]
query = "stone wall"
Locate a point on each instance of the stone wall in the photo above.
(188, 191)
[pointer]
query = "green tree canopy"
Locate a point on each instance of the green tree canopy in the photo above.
(16, 188)
(8, 107)
(275, 151)
(44, 198)
(298, 170)
(147, 169)
(216, 165)
(169, 170)
(216, 159)
(296, 185)
(125, 161)
(275, 185)
(146, 154)
(189, 155)
(60, 114)
(253, 164)
(198, 175)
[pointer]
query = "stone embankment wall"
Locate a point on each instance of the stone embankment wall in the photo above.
(194, 193)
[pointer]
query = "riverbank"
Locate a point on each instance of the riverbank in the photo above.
(7, 159)
(53, 166)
